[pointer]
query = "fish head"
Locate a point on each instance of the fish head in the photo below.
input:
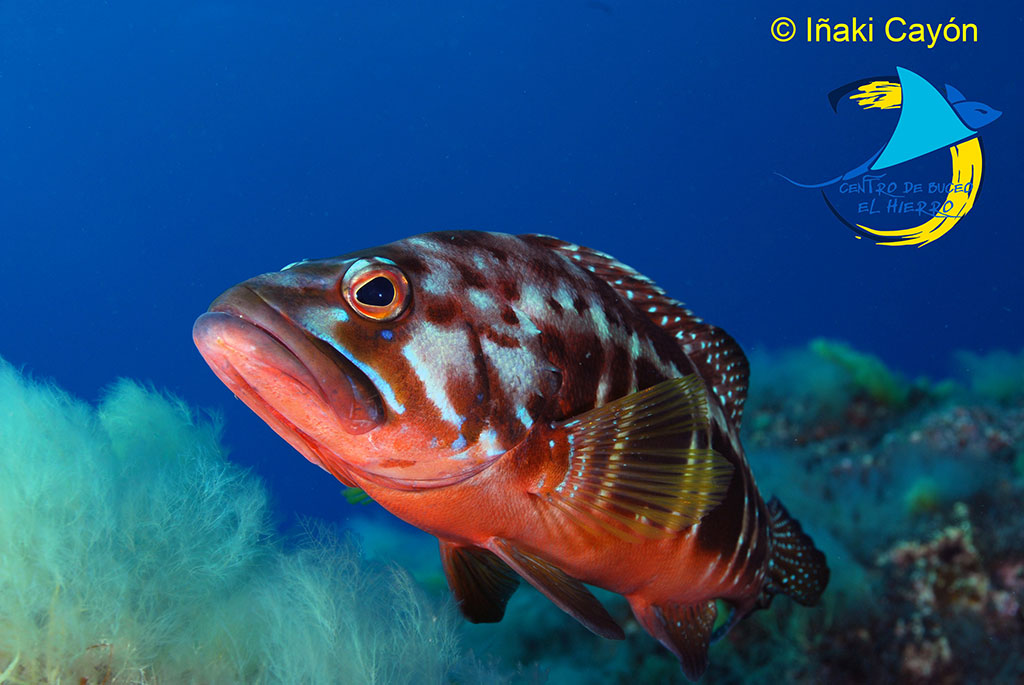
(976, 114)
(365, 363)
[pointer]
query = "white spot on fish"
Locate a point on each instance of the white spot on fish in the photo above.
(440, 278)
(524, 416)
(634, 346)
(600, 321)
(602, 390)
(482, 300)
(516, 367)
(531, 299)
(564, 297)
(436, 355)
(489, 443)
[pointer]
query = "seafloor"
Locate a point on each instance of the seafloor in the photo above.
(121, 569)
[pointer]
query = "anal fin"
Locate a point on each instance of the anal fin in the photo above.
(569, 594)
(481, 582)
(685, 629)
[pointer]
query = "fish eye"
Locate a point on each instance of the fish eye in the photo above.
(377, 292)
(376, 289)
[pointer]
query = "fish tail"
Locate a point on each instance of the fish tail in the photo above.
(809, 185)
(797, 568)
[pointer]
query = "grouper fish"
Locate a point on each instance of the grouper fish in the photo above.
(547, 412)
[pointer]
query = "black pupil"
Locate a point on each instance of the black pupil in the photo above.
(377, 292)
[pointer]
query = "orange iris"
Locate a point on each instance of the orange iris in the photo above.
(376, 290)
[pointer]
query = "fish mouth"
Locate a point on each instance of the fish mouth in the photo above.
(288, 377)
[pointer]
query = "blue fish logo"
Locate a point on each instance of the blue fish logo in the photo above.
(928, 121)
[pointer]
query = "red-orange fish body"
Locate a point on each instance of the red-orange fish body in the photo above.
(544, 410)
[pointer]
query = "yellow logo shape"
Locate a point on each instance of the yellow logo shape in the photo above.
(966, 174)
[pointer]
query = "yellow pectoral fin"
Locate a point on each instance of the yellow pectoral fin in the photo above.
(637, 468)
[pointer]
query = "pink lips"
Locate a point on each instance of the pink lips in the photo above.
(278, 370)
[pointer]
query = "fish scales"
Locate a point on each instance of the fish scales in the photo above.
(544, 410)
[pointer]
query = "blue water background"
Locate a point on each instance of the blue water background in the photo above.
(154, 153)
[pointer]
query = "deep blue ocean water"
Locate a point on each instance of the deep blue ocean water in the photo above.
(153, 154)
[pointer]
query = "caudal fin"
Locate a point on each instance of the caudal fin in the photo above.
(797, 568)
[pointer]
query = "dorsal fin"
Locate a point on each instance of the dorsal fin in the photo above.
(569, 594)
(634, 469)
(481, 582)
(722, 365)
(625, 280)
(718, 358)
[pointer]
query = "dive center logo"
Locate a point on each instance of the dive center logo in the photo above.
(900, 195)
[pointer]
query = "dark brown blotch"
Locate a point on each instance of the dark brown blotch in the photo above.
(554, 347)
(584, 374)
(463, 239)
(465, 398)
(398, 463)
(614, 316)
(413, 265)
(443, 312)
(509, 289)
(647, 374)
(554, 305)
(720, 530)
(580, 304)
(471, 277)
(668, 348)
(621, 366)
(500, 339)
(536, 406)
(498, 253)
(508, 315)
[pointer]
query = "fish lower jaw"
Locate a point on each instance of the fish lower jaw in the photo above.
(284, 369)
